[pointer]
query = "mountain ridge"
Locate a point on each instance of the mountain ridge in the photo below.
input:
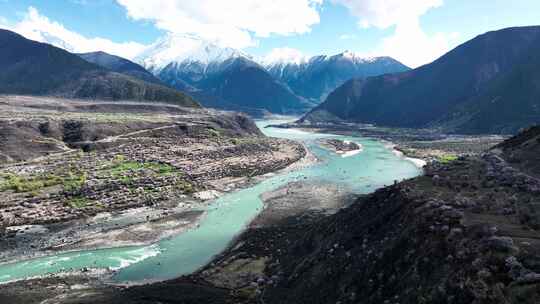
(120, 65)
(218, 76)
(451, 92)
(318, 76)
(29, 67)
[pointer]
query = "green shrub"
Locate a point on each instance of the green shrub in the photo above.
(78, 202)
(74, 182)
(119, 159)
(120, 168)
(22, 184)
(447, 158)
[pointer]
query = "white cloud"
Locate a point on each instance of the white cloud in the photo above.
(409, 43)
(38, 27)
(414, 47)
(234, 23)
(385, 13)
(347, 37)
(285, 54)
(3, 22)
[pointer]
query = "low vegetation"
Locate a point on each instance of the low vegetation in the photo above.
(21, 184)
(121, 166)
(445, 159)
(78, 202)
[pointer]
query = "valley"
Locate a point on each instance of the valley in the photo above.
(477, 210)
(237, 152)
(330, 177)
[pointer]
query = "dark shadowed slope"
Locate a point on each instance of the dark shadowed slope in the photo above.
(487, 85)
(523, 150)
(235, 84)
(246, 84)
(120, 65)
(33, 68)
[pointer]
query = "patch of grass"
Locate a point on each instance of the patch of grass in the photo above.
(185, 187)
(21, 184)
(119, 168)
(78, 202)
(74, 182)
(447, 159)
(119, 159)
(122, 167)
(162, 169)
(126, 180)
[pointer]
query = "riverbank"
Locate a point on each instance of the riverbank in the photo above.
(417, 144)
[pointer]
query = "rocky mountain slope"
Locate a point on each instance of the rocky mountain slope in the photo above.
(120, 65)
(218, 76)
(317, 76)
(486, 85)
(523, 150)
(29, 67)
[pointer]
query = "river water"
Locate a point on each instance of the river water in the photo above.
(364, 172)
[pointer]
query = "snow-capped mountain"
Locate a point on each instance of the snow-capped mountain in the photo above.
(317, 76)
(218, 76)
(185, 50)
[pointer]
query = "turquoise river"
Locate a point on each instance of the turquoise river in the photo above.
(364, 172)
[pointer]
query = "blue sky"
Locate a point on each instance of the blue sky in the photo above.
(413, 31)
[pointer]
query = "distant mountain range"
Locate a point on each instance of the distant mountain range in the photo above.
(490, 84)
(33, 68)
(227, 78)
(316, 77)
(218, 76)
(487, 85)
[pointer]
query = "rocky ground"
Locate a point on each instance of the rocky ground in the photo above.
(95, 174)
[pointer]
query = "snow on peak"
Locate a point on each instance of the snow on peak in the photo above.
(355, 57)
(282, 57)
(180, 48)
